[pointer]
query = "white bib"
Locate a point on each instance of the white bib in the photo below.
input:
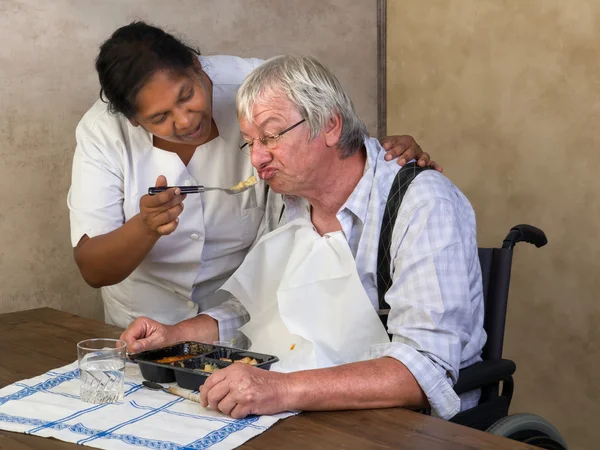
(305, 299)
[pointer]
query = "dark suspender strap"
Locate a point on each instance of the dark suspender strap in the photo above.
(404, 177)
(266, 200)
(281, 213)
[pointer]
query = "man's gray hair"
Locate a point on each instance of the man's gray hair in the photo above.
(314, 91)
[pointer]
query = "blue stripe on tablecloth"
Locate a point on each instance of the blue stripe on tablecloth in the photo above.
(51, 424)
(27, 421)
(206, 442)
(78, 428)
(197, 416)
(214, 437)
(134, 387)
(40, 387)
(81, 412)
(63, 394)
(110, 430)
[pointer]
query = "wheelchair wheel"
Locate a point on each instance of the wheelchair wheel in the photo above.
(529, 429)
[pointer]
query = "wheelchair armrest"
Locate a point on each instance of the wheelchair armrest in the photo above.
(483, 374)
(525, 233)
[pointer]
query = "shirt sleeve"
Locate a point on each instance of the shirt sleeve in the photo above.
(231, 315)
(95, 197)
(430, 309)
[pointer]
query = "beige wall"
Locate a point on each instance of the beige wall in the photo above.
(47, 81)
(506, 94)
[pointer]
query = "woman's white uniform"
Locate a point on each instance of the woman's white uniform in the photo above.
(114, 165)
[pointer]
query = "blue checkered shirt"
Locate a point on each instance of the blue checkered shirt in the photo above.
(436, 299)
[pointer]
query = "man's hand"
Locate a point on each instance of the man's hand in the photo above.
(160, 212)
(147, 334)
(240, 390)
(405, 148)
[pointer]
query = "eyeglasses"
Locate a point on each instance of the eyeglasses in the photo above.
(268, 141)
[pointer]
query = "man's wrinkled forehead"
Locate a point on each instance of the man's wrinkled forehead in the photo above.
(273, 101)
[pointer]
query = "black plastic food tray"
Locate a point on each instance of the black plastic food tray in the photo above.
(188, 373)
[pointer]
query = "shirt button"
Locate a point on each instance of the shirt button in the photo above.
(191, 304)
(188, 182)
(194, 237)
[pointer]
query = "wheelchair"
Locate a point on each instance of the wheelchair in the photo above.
(494, 375)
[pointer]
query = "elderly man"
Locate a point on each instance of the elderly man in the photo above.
(307, 142)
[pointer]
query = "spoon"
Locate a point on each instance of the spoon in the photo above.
(175, 390)
(198, 189)
(237, 189)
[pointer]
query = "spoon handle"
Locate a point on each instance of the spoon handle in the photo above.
(183, 189)
(176, 390)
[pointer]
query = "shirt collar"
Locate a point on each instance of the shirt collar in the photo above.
(357, 202)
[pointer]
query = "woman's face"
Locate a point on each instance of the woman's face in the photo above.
(176, 108)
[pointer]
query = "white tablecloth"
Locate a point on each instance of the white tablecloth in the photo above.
(49, 406)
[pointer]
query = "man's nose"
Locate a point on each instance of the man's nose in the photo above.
(260, 154)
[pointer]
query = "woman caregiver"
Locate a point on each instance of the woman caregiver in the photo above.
(165, 115)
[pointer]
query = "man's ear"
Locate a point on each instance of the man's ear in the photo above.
(134, 122)
(333, 130)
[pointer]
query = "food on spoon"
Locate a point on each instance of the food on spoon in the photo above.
(225, 359)
(251, 181)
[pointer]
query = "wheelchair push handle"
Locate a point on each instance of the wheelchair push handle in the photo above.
(525, 233)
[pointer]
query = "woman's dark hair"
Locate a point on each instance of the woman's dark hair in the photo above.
(131, 56)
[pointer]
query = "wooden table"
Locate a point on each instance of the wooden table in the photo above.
(33, 342)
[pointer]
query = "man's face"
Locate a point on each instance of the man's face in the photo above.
(295, 163)
(176, 108)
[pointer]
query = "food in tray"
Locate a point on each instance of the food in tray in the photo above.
(247, 360)
(172, 359)
(251, 181)
(210, 368)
